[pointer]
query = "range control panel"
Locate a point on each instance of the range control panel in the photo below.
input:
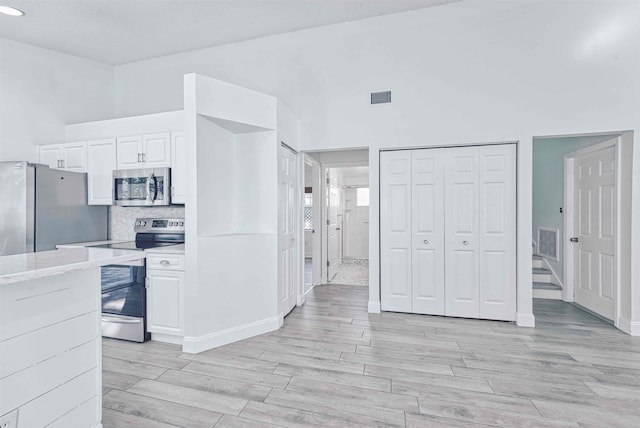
(159, 225)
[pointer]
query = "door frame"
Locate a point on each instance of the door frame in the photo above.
(622, 222)
(325, 167)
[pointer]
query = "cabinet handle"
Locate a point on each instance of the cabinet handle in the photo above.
(165, 263)
(144, 155)
(139, 160)
(465, 242)
(426, 241)
(59, 165)
(62, 162)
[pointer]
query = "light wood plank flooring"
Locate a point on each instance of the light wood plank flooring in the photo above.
(334, 365)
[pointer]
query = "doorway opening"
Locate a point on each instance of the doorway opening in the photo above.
(337, 218)
(578, 192)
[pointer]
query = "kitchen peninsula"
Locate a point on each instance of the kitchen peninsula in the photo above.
(50, 338)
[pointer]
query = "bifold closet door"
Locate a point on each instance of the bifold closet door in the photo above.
(395, 230)
(462, 289)
(497, 232)
(427, 218)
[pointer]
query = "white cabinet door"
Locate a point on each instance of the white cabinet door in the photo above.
(497, 232)
(156, 151)
(287, 230)
(427, 177)
(129, 152)
(178, 168)
(461, 242)
(101, 161)
(395, 230)
(165, 302)
(74, 156)
(51, 155)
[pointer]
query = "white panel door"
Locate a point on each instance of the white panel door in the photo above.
(101, 161)
(595, 221)
(178, 168)
(462, 238)
(74, 156)
(287, 230)
(164, 302)
(427, 204)
(497, 232)
(156, 151)
(51, 155)
(395, 230)
(129, 152)
(334, 223)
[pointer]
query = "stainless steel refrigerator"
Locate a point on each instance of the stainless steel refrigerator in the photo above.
(42, 207)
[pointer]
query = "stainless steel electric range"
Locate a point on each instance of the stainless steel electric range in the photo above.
(124, 293)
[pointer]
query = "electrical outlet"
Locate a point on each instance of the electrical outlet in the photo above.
(10, 420)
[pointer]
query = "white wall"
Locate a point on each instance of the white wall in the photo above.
(41, 91)
(467, 72)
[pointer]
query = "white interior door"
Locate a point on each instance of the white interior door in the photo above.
(497, 232)
(462, 240)
(595, 223)
(334, 223)
(427, 204)
(287, 231)
(395, 230)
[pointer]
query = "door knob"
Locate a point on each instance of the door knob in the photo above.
(465, 242)
(426, 241)
(573, 239)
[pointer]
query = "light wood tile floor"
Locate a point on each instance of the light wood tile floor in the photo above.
(334, 365)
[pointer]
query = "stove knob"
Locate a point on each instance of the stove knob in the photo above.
(181, 223)
(143, 223)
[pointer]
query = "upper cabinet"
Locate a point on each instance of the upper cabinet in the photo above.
(101, 161)
(68, 156)
(178, 168)
(146, 151)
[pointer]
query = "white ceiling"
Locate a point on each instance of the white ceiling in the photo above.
(123, 31)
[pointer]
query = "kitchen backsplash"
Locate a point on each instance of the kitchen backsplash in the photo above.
(122, 219)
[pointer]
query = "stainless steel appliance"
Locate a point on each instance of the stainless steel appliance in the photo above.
(142, 187)
(42, 207)
(124, 294)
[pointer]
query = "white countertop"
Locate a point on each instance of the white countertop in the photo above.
(23, 267)
(169, 249)
(89, 244)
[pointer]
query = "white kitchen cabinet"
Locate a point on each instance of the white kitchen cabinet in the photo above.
(448, 232)
(165, 296)
(101, 161)
(68, 156)
(145, 151)
(178, 168)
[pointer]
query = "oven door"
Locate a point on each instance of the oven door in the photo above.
(124, 301)
(141, 187)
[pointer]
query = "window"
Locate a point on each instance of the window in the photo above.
(362, 197)
(308, 211)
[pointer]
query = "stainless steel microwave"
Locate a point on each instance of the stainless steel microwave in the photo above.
(142, 187)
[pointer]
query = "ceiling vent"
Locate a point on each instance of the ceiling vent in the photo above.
(380, 97)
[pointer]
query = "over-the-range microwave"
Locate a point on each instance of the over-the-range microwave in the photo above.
(142, 187)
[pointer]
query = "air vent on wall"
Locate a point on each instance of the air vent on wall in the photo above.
(380, 97)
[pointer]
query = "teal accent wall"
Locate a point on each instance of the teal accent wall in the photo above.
(548, 185)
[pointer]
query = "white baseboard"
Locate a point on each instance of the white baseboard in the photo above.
(525, 320)
(194, 345)
(374, 307)
(166, 338)
(301, 300)
(630, 327)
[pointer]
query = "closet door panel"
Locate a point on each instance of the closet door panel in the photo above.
(395, 231)
(427, 277)
(462, 240)
(497, 219)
